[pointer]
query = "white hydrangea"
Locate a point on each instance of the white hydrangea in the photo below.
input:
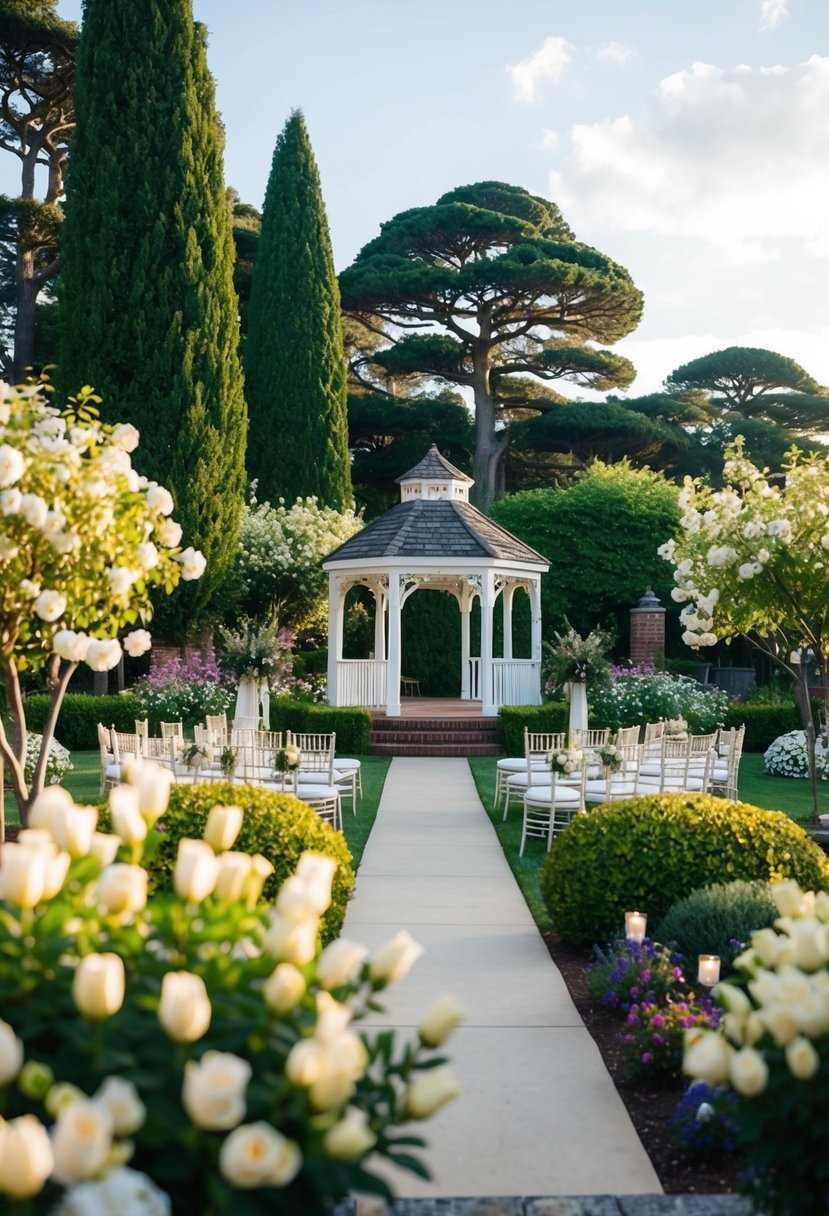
(787, 756)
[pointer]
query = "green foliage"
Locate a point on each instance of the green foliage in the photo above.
(295, 368)
(80, 713)
(147, 302)
(719, 919)
(600, 535)
(763, 723)
(351, 724)
(632, 699)
(512, 719)
(650, 852)
(432, 643)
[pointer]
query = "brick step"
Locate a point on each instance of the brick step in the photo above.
(425, 736)
(484, 725)
(435, 749)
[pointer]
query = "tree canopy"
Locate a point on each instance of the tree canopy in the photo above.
(488, 290)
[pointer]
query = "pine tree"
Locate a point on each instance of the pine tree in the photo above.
(148, 310)
(295, 366)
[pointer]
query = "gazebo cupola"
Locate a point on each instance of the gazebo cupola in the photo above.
(434, 538)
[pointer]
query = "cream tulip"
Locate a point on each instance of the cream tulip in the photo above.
(57, 868)
(122, 888)
(260, 871)
(333, 1017)
(152, 784)
(317, 873)
(706, 1057)
(813, 1015)
(122, 1102)
(394, 960)
(305, 1063)
(81, 1141)
(99, 985)
(11, 1054)
(781, 1023)
(440, 1019)
(26, 1157)
(340, 963)
(214, 1090)
(224, 824)
(61, 1095)
(351, 1138)
(430, 1091)
(196, 870)
(48, 800)
(788, 897)
(748, 1072)
(292, 941)
(184, 1010)
(234, 870)
(73, 827)
(256, 1155)
(104, 848)
(22, 875)
(284, 989)
(127, 820)
(802, 1059)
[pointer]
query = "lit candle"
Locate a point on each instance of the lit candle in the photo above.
(709, 970)
(635, 924)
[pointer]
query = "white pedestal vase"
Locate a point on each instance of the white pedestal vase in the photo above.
(265, 703)
(246, 713)
(578, 706)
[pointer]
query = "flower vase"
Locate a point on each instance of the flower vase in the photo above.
(265, 703)
(578, 707)
(246, 713)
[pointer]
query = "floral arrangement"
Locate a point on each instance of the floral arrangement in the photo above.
(227, 761)
(610, 756)
(259, 651)
(676, 728)
(192, 1050)
(703, 1123)
(772, 1049)
(287, 758)
(185, 690)
(788, 756)
(653, 1038)
(58, 763)
(628, 699)
(195, 755)
(626, 972)
(565, 760)
(574, 658)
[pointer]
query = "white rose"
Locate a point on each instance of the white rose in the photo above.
(121, 1100)
(12, 465)
(11, 1054)
(137, 642)
(184, 1011)
(440, 1020)
(81, 1140)
(159, 499)
(10, 501)
(223, 826)
(147, 555)
(70, 645)
(214, 1090)
(121, 578)
(802, 1059)
(256, 1155)
(103, 654)
(394, 960)
(125, 436)
(168, 533)
(284, 989)
(733, 999)
(351, 1138)
(706, 1057)
(747, 570)
(781, 1023)
(98, 985)
(430, 1091)
(50, 605)
(339, 963)
(810, 940)
(123, 888)
(26, 1158)
(788, 897)
(196, 870)
(748, 1072)
(34, 510)
(193, 563)
(766, 945)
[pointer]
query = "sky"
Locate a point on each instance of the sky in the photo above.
(686, 139)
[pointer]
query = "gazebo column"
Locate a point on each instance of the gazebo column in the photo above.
(393, 665)
(465, 602)
(379, 624)
(336, 606)
(506, 607)
(535, 627)
(488, 706)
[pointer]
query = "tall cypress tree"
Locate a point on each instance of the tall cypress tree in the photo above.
(295, 366)
(148, 310)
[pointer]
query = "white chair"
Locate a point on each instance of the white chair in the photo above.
(124, 745)
(142, 728)
(172, 730)
(726, 767)
(614, 786)
(551, 807)
(588, 738)
(316, 776)
(535, 770)
(110, 770)
(627, 736)
(679, 768)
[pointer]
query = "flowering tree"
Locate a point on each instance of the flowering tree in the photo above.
(277, 568)
(751, 561)
(83, 541)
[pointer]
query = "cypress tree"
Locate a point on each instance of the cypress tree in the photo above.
(295, 368)
(148, 310)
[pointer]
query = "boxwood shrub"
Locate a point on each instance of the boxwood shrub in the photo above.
(351, 723)
(79, 715)
(718, 919)
(552, 716)
(647, 853)
(763, 723)
(276, 825)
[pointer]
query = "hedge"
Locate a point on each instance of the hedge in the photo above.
(351, 723)
(552, 716)
(765, 722)
(79, 715)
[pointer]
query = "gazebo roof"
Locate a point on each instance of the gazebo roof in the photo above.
(433, 465)
(439, 528)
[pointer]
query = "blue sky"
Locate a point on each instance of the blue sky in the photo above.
(689, 141)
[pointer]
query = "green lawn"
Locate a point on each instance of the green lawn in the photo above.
(774, 793)
(84, 783)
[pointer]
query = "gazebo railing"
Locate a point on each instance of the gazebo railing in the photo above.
(514, 681)
(361, 682)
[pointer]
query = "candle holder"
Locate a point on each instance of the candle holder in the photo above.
(635, 925)
(708, 972)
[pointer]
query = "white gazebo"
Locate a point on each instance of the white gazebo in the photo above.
(434, 538)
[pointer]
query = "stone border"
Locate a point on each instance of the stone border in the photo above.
(576, 1205)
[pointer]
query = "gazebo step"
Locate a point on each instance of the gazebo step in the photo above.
(435, 737)
(435, 749)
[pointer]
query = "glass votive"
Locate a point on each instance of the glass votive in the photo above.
(708, 972)
(635, 926)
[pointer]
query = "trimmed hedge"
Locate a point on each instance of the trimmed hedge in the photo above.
(717, 920)
(351, 723)
(650, 852)
(763, 723)
(552, 716)
(276, 825)
(79, 715)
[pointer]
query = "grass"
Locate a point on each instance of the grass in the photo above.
(84, 783)
(790, 795)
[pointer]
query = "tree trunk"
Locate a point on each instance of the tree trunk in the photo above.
(801, 696)
(489, 445)
(28, 289)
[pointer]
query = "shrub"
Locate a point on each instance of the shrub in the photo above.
(351, 723)
(185, 690)
(80, 713)
(717, 920)
(512, 719)
(277, 825)
(626, 972)
(787, 756)
(763, 723)
(650, 852)
(703, 1124)
(654, 1035)
(58, 764)
(630, 699)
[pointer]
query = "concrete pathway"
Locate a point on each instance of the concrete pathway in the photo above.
(539, 1114)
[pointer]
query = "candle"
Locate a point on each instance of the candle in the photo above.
(635, 924)
(709, 970)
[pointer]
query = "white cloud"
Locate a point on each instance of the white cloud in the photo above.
(772, 13)
(546, 63)
(550, 140)
(737, 159)
(616, 52)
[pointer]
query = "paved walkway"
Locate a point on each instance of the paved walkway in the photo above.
(539, 1114)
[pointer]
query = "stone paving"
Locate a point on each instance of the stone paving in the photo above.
(573, 1205)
